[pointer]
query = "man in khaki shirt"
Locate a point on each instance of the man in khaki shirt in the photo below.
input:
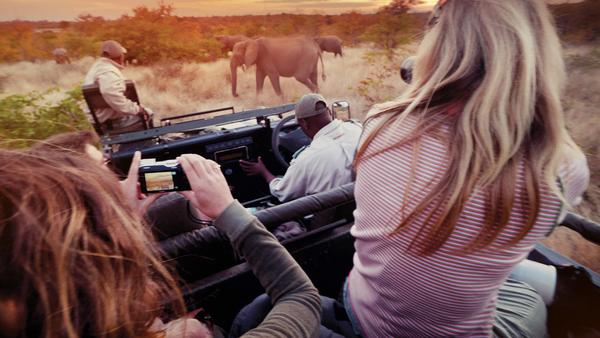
(123, 115)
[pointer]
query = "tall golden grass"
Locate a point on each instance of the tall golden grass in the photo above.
(178, 88)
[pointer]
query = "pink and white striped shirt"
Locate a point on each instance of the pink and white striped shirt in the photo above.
(395, 293)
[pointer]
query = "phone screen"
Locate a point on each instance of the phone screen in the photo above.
(158, 181)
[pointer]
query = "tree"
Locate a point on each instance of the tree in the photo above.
(399, 6)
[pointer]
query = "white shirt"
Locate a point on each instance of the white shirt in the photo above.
(325, 164)
(107, 74)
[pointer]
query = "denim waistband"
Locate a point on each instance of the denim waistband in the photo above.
(348, 306)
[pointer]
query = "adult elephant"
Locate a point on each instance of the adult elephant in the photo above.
(229, 41)
(330, 43)
(295, 57)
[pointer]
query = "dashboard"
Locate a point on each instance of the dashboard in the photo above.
(226, 147)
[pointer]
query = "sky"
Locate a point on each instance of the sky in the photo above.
(69, 9)
(55, 10)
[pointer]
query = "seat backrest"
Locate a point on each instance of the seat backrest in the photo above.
(94, 100)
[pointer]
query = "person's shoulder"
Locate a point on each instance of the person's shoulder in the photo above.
(381, 107)
(103, 66)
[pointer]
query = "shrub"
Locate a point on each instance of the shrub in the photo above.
(33, 116)
(379, 85)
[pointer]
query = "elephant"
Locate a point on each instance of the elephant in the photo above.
(274, 57)
(330, 43)
(229, 40)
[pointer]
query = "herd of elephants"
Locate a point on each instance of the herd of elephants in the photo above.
(296, 57)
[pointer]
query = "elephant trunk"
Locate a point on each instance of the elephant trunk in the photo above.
(233, 66)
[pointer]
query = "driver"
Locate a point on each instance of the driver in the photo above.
(324, 164)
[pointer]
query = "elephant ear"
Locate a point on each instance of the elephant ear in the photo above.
(251, 53)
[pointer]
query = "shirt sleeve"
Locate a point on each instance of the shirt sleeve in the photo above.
(112, 87)
(293, 184)
(575, 177)
(296, 308)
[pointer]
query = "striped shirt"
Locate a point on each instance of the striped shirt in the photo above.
(395, 293)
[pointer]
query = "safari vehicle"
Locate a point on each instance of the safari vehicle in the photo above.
(216, 279)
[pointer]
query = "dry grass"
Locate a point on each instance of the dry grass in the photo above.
(183, 88)
(172, 89)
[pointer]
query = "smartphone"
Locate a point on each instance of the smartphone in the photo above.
(162, 176)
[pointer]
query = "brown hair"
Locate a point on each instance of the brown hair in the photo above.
(492, 72)
(74, 141)
(73, 254)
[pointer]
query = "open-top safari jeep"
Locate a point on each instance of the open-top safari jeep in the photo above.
(216, 279)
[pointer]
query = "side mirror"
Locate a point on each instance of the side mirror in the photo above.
(406, 69)
(341, 110)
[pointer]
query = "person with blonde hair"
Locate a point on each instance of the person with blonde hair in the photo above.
(76, 259)
(459, 177)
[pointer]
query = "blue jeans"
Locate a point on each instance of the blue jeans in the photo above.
(334, 320)
(520, 312)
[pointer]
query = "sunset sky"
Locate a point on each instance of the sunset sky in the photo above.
(70, 9)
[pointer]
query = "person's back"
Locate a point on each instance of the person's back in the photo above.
(446, 293)
(327, 160)
(456, 181)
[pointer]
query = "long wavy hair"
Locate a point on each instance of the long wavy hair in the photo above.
(492, 72)
(75, 259)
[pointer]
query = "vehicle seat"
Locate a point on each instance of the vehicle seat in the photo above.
(94, 100)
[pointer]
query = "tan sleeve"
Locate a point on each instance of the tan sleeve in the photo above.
(112, 87)
(297, 306)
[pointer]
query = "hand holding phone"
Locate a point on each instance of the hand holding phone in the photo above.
(130, 188)
(163, 176)
(210, 191)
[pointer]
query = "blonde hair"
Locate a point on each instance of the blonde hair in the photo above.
(492, 71)
(75, 257)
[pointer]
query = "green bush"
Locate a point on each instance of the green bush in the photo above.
(30, 117)
(376, 86)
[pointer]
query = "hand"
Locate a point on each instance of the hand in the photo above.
(253, 168)
(130, 188)
(211, 194)
(143, 114)
(182, 327)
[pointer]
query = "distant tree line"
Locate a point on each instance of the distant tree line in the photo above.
(156, 34)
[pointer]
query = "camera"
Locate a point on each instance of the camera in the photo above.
(162, 176)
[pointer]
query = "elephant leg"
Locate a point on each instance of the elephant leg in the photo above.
(314, 78)
(308, 83)
(274, 78)
(260, 80)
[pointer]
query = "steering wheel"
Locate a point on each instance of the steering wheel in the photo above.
(288, 136)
